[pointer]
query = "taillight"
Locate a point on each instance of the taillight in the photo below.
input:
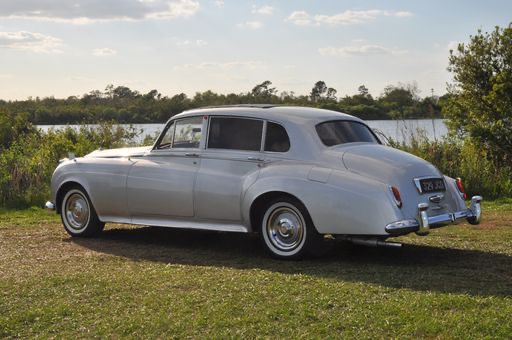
(458, 181)
(396, 195)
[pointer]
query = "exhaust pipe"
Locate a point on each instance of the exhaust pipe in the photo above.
(372, 242)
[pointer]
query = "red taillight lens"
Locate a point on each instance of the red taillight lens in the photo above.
(458, 181)
(396, 195)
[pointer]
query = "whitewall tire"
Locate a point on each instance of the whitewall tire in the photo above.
(78, 215)
(286, 229)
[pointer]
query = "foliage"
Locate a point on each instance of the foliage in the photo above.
(124, 105)
(463, 158)
(480, 105)
(28, 156)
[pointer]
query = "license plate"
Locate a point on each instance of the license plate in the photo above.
(431, 185)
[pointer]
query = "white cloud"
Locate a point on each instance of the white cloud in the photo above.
(251, 65)
(219, 3)
(358, 50)
(30, 41)
(104, 52)
(348, 17)
(176, 9)
(192, 43)
(263, 10)
(301, 18)
(403, 14)
(253, 25)
(86, 12)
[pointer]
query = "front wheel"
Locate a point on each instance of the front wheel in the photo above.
(287, 230)
(78, 215)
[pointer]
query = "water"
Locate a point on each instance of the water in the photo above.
(399, 130)
(403, 130)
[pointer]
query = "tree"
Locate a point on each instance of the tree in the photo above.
(400, 101)
(331, 94)
(318, 90)
(264, 90)
(124, 92)
(363, 90)
(480, 101)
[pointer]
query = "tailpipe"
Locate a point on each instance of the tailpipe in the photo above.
(372, 242)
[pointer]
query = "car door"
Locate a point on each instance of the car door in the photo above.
(229, 165)
(161, 183)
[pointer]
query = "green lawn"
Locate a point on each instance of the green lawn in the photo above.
(153, 282)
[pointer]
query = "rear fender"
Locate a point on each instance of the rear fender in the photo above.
(345, 204)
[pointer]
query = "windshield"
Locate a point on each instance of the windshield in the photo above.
(344, 131)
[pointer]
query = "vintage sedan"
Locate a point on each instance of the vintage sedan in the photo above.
(291, 174)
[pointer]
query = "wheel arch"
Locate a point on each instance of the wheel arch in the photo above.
(260, 201)
(61, 192)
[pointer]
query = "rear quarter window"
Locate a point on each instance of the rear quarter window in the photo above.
(276, 139)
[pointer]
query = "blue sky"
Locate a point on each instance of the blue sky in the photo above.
(70, 47)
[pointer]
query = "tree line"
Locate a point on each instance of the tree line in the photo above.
(124, 105)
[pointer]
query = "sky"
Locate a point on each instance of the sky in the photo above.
(67, 48)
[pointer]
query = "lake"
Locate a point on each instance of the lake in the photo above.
(399, 130)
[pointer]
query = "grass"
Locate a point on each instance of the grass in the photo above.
(142, 282)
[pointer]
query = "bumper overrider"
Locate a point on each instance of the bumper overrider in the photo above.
(422, 224)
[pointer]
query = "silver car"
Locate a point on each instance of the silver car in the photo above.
(291, 174)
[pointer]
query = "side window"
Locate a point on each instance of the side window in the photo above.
(276, 139)
(166, 141)
(235, 133)
(188, 133)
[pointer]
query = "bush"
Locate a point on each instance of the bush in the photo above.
(463, 158)
(29, 157)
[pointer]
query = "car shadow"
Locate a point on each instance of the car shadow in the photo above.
(414, 267)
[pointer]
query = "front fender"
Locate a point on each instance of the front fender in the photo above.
(104, 180)
(67, 172)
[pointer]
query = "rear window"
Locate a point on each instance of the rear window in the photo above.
(344, 131)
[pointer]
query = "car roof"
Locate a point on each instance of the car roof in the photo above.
(292, 114)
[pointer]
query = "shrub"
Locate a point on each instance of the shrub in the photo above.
(28, 160)
(463, 158)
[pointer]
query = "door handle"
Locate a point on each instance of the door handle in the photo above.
(191, 154)
(256, 159)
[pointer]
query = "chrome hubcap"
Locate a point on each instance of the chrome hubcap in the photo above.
(285, 228)
(77, 211)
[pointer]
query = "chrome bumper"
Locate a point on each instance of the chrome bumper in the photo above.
(49, 205)
(422, 224)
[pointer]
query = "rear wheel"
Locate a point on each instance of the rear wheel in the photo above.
(287, 230)
(78, 215)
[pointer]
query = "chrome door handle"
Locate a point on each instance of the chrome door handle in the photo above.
(191, 154)
(257, 159)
